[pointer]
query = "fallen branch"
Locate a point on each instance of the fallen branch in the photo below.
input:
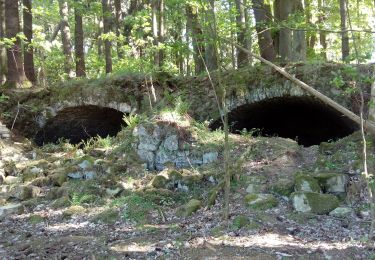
(368, 125)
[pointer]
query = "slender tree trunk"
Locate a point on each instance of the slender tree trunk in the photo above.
(197, 38)
(106, 29)
(371, 113)
(118, 14)
(344, 34)
(242, 33)
(78, 40)
(15, 75)
(99, 41)
(28, 50)
(66, 38)
(311, 36)
(161, 31)
(322, 34)
(155, 28)
(3, 59)
(282, 10)
(262, 17)
(210, 53)
(299, 36)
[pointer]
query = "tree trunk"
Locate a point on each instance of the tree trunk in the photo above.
(106, 29)
(311, 36)
(154, 14)
(195, 29)
(118, 14)
(3, 59)
(371, 113)
(262, 17)
(15, 75)
(78, 41)
(322, 34)
(66, 38)
(242, 33)
(210, 54)
(161, 31)
(299, 36)
(28, 50)
(344, 34)
(282, 10)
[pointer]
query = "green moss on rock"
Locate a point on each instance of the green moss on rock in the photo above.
(283, 187)
(261, 201)
(332, 182)
(159, 182)
(306, 183)
(189, 208)
(61, 202)
(240, 222)
(108, 216)
(314, 202)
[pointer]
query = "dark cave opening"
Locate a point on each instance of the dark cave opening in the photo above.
(80, 123)
(304, 119)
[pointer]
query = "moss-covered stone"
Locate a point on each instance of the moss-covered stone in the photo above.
(36, 219)
(61, 202)
(74, 211)
(240, 222)
(58, 179)
(41, 181)
(306, 183)
(314, 202)
(283, 187)
(332, 182)
(56, 192)
(108, 216)
(189, 208)
(159, 182)
(261, 201)
(212, 195)
(24, 192)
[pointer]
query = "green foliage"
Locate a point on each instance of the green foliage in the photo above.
(132, 120)
(79, 199)
(3, 98)
(136, 207)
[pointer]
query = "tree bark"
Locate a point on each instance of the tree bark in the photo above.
(262, 17)
(322, 34)
(15, 75)
(210, 53)
(371, 112)
(161, 31)
(344, 34)
(79, 40)
(66, 38)
(196, 32)
(242, 33)
(155, 27)
(3, 59)
(282, 10)
(106, 29)
(28, 50)
(118, 16)
(299, 36)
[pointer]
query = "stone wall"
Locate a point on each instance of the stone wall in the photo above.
(4, 131)
(162, 143)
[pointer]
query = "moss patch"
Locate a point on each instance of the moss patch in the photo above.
(261, 201)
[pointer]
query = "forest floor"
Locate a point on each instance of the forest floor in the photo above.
(92, 230)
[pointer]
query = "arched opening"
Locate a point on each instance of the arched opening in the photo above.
(304, 119)
(80, 123)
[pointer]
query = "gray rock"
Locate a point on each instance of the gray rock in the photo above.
(253, 188)
(75, 175)
(89, 175)
(210, 157)
(85, 165)
(148, 157)
(11, 209)
(171, 143)
(341, 212)
(314, 202)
